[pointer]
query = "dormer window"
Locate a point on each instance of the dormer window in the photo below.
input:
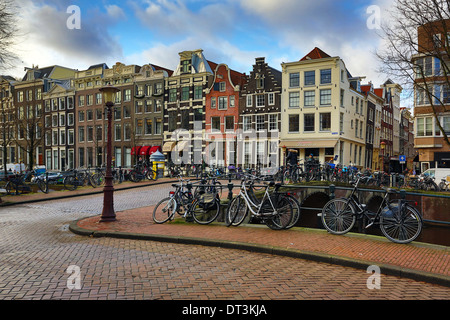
(185, 66)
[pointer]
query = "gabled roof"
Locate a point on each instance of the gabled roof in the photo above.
(316, 53)
(155, 67)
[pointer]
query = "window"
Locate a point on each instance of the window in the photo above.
(294, 99)
(70, 119)
(213, 102)
(294, 123)
(186, 66)
(81, 101)
(424, 126)
(446, 124)
(294, 80)
(184, 93)
(222, 86)
(172, 95)
(273, 122)
(80, 134)
(308, 122)
(247, 123)
(325, 122)
(260, 82)
(90, 133)
(158, 126)
(158, 105)
(325, 97)
(198, 92)
(310, 78)
(158, 88)
(215, 123)
(260, 100)
(229, 123)
(232, 101)
(223, 103)
(89, 115)
(90, 99)
(127, 131)
(117, 132)
(71, 137)
(249, 100)
(139, 126)
(356, 128)
(148, 126)
(117, 113)
(310, 98)
(325, 76)
(98, 98)
(80, 116)
(148, 106)
(260, 120)
(271, 98)
(139, 106)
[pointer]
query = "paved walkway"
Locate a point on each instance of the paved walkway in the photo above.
(416, 260)
(419, 261)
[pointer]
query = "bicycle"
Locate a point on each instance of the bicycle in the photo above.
(203, 207)
(77, 178)
(275, 210)
(399, 221)
(19, 183)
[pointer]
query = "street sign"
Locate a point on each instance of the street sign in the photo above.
(402, 159)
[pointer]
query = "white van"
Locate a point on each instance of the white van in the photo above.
(437, 173)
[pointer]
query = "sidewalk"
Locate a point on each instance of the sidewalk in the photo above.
(420, 261)
(83, 191)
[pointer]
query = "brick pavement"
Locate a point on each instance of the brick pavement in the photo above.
(415, 260)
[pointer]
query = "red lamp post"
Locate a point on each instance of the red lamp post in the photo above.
(108, 213)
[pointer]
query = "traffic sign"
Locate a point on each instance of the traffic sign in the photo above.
(402, 159)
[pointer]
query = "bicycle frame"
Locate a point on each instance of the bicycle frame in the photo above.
(251, 205)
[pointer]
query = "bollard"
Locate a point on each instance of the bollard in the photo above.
(332, 190)
(230, 188)
(189, 217)
(403, 194)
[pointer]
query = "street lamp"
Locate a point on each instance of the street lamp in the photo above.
(383, 147)
(108, 213)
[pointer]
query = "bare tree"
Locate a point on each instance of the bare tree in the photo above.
(30, 131)
(409, 59)
(8, 33)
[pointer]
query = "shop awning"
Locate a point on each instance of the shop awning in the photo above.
(135, 150)
(144, 150)
(303, 144)
(168, 146)
(153, 149)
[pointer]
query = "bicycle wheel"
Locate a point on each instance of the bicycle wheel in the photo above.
(205, 209)
(236, 212)
(9, 187)
(164, 210)
(70, 183)
(42, 185)
(401, 227)
(152, 175)
(284, 213)
(338, 216)
(296, 211)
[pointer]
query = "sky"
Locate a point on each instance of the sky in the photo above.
(234, 32)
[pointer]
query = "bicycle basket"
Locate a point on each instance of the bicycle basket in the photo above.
(207, 201)
(390, 210)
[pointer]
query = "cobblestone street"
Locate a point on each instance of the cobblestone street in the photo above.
(36, 249)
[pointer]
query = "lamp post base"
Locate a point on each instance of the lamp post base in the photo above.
(108, 214)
